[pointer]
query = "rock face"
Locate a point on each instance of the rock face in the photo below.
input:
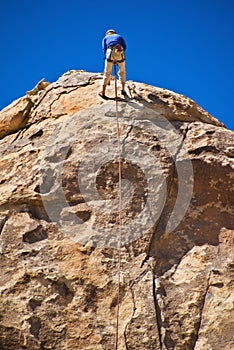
(59, 221)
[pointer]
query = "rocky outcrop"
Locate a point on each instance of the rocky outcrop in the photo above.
(15, 116)
(59, 221)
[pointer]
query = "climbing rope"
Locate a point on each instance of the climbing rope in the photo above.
(120, 211)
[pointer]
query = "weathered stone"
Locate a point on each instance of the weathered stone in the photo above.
(170, 105)
(59, 221)
(14, 117)
(41, 85)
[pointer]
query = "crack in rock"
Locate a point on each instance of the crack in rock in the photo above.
(158, 312)
(198, 325)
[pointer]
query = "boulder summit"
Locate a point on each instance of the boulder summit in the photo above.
(59, 223)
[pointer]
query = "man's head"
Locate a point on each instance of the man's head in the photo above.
(110, 32)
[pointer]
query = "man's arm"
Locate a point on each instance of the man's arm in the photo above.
(123, 43)
(104, 48)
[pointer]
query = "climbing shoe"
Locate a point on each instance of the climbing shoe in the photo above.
(102, 95)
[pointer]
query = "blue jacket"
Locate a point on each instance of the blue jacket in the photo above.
(112, 40)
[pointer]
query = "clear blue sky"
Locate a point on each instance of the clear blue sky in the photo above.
(184, 46)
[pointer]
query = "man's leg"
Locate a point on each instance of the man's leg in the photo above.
(106, 76)
(122, 75)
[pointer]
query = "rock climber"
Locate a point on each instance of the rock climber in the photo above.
(113, 46)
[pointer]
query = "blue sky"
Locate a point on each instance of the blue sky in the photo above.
(184, 46)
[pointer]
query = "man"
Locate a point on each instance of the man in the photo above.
(113, 46)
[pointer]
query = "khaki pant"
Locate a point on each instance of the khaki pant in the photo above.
(115, 56)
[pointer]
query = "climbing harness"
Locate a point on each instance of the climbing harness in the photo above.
(110, 60)
(115, 49)
(120, 209)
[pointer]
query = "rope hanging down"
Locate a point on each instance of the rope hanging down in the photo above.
(120, 210)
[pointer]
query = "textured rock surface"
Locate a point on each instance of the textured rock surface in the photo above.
(59, 221)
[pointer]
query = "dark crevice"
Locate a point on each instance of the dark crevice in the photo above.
(125, 340)
(36, 134)
(59, 95)
(34, 303)
(159, 226)
(159, 222)
(157, 313)
(50, 88)
(71, 87)
(182, 141)
(175, 267)
(147, 256)
(18, 134)
(42, 118)
(198, 324)
(204, 149)
(35, 326)
(37, 210)
(125, 138)
(37, 235)
(34, 208)
(139, 278)
(2, 223)
(133, 313)
(91, 298)
(25, 128)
